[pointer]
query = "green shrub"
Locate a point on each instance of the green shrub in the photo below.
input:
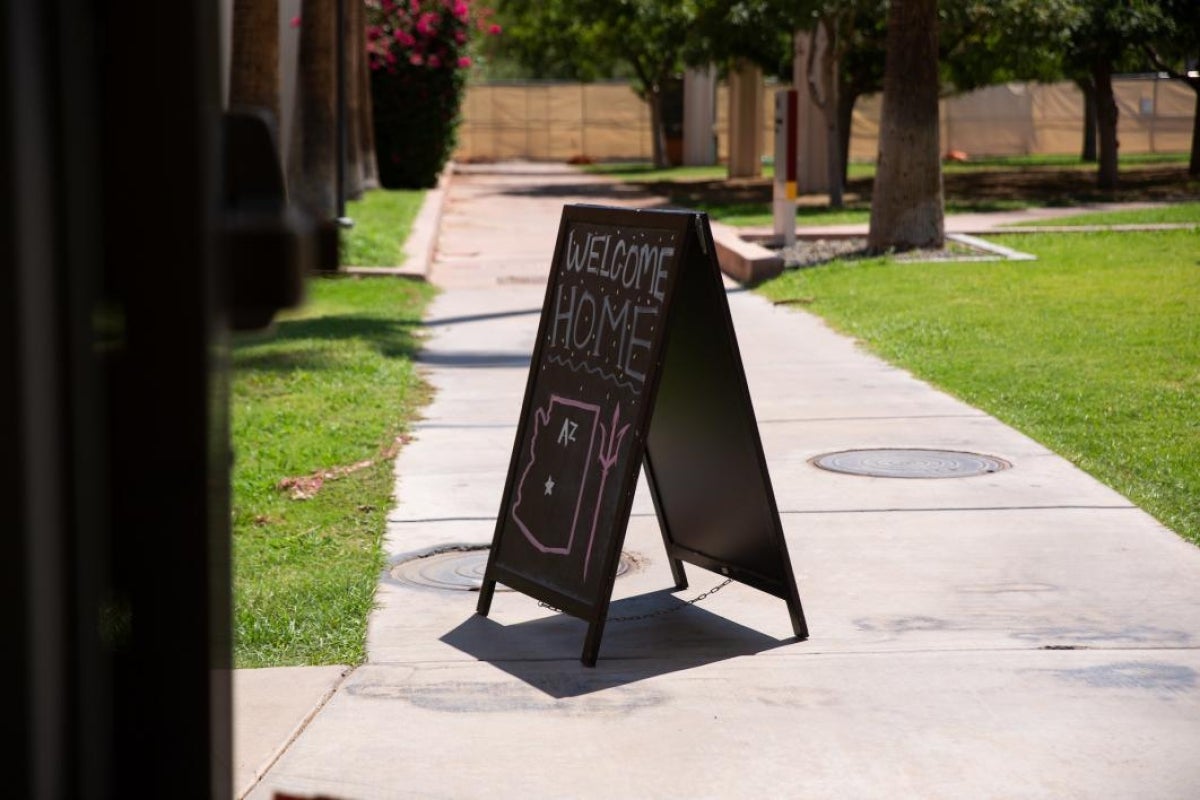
(417, 51)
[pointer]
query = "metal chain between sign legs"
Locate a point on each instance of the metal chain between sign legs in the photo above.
(660, 612)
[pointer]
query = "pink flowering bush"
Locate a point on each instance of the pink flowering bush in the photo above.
(418, 51)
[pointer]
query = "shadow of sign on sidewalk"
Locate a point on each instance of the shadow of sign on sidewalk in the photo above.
(638, 649)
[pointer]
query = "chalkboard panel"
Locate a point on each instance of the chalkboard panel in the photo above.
(582, 430)
(635, 359)
(704, 460)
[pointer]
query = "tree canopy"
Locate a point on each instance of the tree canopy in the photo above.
(1174, 48)
(980, 42)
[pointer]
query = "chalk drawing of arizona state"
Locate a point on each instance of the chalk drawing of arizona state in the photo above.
(552, 508)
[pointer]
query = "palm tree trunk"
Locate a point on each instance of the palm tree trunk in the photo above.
(312, 168)
(352, 176)
(907, 204)
(366, 118)
(254, 57)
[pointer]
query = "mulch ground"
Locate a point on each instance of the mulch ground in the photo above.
(981, 190)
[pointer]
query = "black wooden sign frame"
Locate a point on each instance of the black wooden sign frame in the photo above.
(636, 362)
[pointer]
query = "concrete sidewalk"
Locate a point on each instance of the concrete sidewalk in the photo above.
(1026, 633)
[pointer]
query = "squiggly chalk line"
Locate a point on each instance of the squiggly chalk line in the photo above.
(571, 365)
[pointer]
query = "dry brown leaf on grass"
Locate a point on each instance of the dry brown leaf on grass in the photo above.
(305, 487)
(393, 449)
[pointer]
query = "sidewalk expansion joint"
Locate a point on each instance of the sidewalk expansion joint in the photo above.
(427, 520)
(261, 772)
(470, 426)
(490, 519)
(928, 651)
(802, 649)
(1129, 507)
(880, 418)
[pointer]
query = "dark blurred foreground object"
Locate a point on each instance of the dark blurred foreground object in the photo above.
(125, 258)
(270, 245)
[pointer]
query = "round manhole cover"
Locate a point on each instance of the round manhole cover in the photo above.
(889, 463)
(459, 568)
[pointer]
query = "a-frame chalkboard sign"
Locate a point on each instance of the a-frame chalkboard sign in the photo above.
(635, 363)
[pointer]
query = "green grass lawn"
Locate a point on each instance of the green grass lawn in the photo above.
(1164, 214)
(327, 390)
(1093, 350)
(382, 221)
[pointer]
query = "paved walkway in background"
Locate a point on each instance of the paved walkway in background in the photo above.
(1023, 634)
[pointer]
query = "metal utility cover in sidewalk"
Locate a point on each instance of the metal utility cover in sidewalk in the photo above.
(910, 463)
(459, 568)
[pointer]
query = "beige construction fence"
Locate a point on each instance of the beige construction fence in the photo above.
(607, 121)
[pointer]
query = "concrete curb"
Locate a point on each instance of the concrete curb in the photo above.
(998, 251)
(420, 248)
(745, 261)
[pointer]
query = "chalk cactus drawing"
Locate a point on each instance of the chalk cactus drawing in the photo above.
(568, 412)
(610, 447)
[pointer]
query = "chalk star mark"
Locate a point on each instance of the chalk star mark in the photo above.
(550, 485)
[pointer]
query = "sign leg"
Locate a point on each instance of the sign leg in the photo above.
(591, 645)
(799, 625)
(677, 573)
(681, 581)
(486, 590)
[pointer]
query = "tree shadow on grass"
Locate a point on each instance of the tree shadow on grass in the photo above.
(973, 190)
(297, 344)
